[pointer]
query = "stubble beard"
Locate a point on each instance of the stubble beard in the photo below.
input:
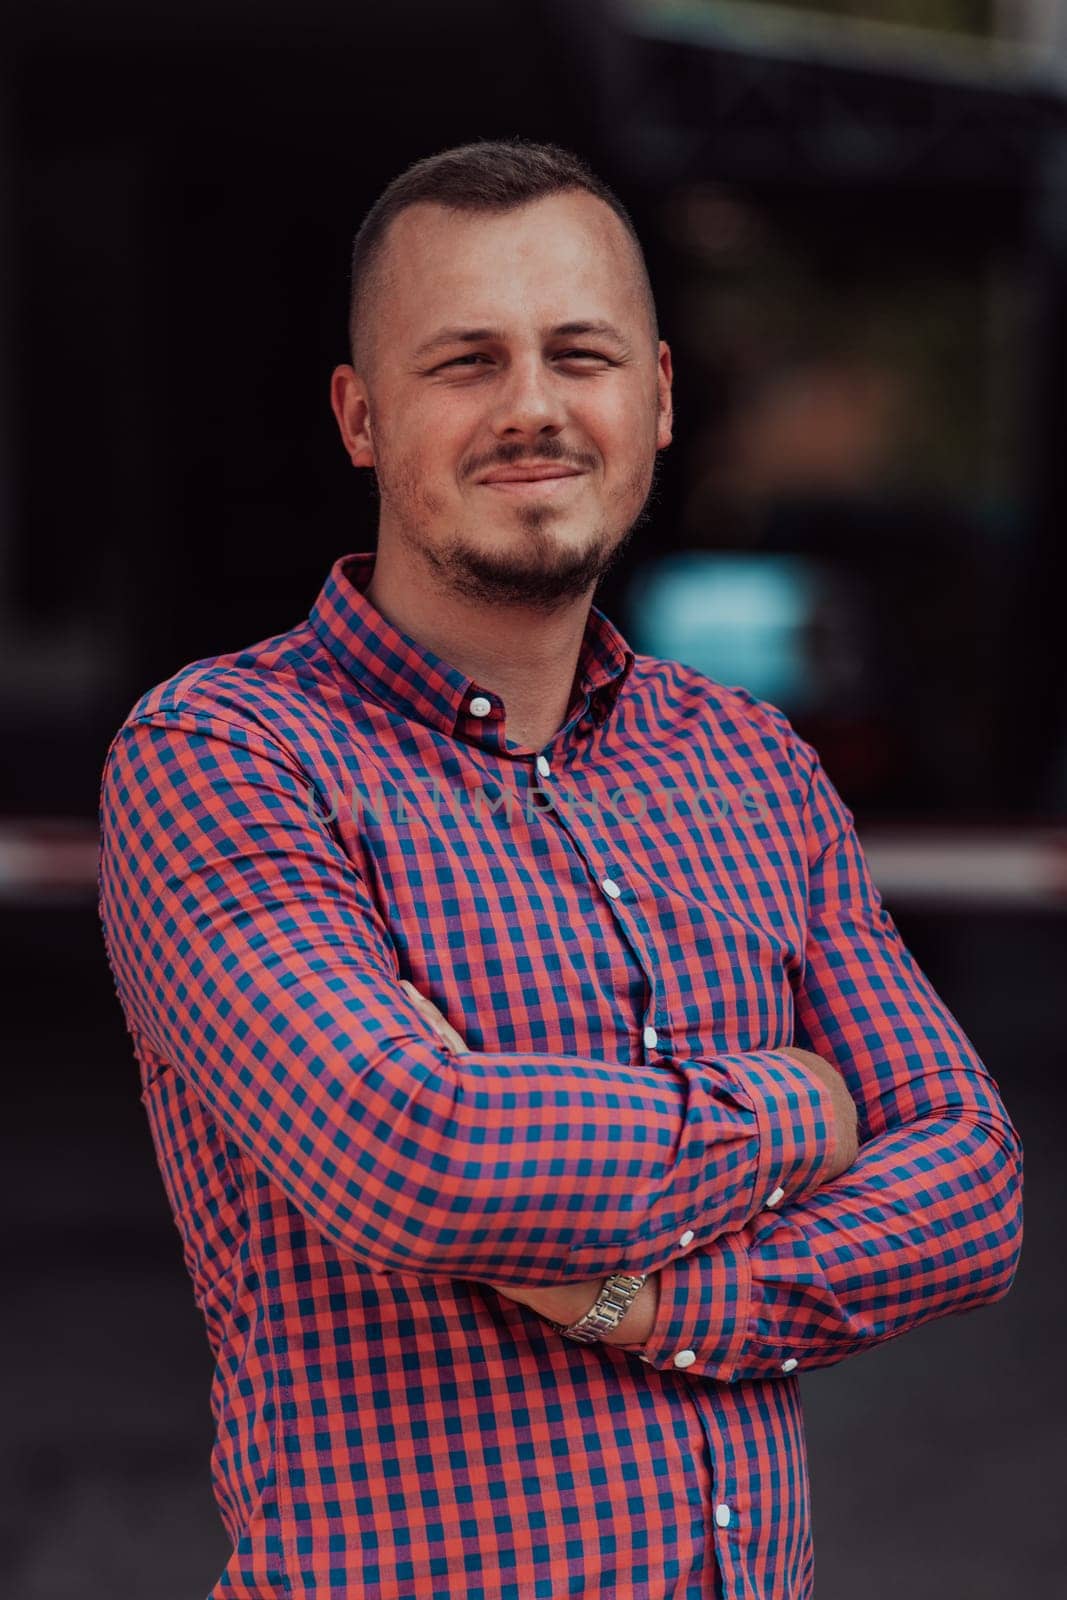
(533, 570)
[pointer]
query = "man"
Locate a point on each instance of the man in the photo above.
(538, 1082)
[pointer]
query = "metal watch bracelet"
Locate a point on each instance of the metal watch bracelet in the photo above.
(608, 1310)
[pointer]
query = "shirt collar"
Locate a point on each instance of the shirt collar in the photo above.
(399, 672)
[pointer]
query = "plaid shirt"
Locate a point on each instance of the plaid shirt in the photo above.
(626, 927)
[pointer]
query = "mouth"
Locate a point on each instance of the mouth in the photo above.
(534, 481)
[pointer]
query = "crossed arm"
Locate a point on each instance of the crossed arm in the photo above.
(247, 949)
(565, 1303)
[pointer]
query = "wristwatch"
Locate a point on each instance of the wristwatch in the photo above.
(608, 1310)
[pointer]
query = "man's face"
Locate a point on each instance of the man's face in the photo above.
(510, 342)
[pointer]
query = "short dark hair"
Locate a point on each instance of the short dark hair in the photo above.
(488, 175)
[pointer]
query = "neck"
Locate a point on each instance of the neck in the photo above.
(527, 657)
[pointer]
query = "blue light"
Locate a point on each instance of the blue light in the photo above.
(739, 618)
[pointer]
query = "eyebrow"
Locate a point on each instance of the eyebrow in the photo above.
(602, 330)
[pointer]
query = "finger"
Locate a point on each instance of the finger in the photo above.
(427, 1007)
(445, 1030)
(449, 1035)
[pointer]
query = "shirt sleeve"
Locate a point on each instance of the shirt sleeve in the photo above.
(248, 952)
(929, 1218)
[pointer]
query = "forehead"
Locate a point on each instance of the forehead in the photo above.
(557, 259)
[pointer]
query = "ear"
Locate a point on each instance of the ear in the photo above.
(664, 380)
(351, 406)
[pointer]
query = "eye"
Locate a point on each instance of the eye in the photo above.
(563, 355)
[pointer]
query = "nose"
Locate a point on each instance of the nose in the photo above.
(528, 402)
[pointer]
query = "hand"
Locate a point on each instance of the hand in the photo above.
(452, 1039)
(559, 1302)
(566, 1302)
(845, 1120)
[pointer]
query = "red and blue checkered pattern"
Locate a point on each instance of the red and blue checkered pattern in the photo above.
(626, 927)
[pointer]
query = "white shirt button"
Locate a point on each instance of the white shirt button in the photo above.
(650, 1038)
(543, 767)
(685, 1358)
(480, 706)
(787, 1366)
(610, 887)
(722, 1516)
(646, 1360)
(687, 1238)
(773, 1199)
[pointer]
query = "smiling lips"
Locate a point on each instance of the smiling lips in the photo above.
(540, 477)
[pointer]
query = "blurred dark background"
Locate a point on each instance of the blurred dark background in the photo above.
(855, 216)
